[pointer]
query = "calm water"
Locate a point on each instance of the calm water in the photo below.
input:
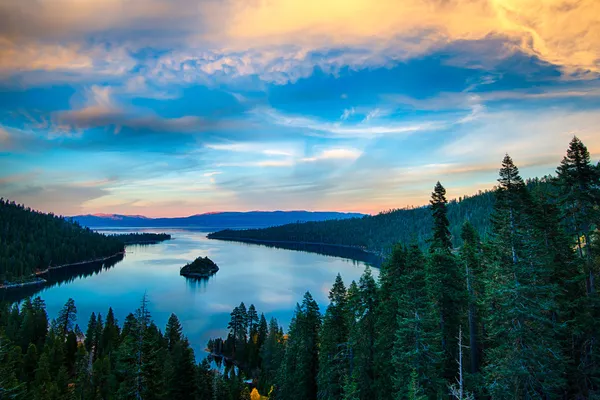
(272, 279)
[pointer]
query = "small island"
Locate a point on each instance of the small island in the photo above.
(201, 267)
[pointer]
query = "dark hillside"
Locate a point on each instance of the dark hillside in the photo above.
(32, 241)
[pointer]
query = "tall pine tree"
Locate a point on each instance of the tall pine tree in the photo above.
(445, 281)
(333, 362)
(523, 358)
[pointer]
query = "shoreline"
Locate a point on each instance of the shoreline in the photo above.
(293, 242)
(101, 259)
(41, 281)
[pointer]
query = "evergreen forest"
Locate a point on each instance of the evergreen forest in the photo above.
(32, 241)
(379, 233)
(511, 314)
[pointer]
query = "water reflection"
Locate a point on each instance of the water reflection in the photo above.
(198, 284)
(271, 278)
(58, 277)
(350, 253)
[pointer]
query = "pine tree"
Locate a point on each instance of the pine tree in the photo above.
(441, 232)
(110, 334)
(98, 350)
(41, 323)
(137, 360)
(252, 321)
(173, 331)
(252, 349)
(579, 184)
(523, 359)
(333, 338)
(90, 333)
(238, 329)
(44, 387)
(181, 382)
(30, 361)
(470, 256)
(362, 306)
(70, 350)
(445, 281)
(297, 375)
(204, 381)
(271, 353)
(387, 316)
(67, 317)
(9, 384)
(263, 330)
(416, 353)
(83, 376)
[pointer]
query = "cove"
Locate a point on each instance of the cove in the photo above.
(271, 278)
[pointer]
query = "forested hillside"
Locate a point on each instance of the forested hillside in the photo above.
(380, 232)
(31, 240)
(513, 316)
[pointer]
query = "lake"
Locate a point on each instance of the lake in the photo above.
(273, 279)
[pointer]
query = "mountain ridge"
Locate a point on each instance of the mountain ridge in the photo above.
(221, 219)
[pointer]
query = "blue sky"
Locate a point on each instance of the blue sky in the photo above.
(179, 107)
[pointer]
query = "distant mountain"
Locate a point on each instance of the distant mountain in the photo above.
(377, 233)
(215, 220)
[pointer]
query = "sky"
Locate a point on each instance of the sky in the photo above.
(179, 107)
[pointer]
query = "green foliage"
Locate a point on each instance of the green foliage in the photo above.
(201, 266)
(391, 288)
(525, 289)
(142, 238)
(378, 233)
(417, 346)
(524, 359)
(362, 310)
(296, 379)
(470, 258)
(445, 282)
(333, 338)
(32, 241)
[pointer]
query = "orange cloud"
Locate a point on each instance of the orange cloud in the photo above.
(562, 32)
(33, 33)
(73, 58)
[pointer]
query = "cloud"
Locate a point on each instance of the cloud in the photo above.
(560, 32)
(284, 158)
(372, 114)
(348, 112)
(335, 154)
(528, 138)
(212, 173)
(277, 149)
(360, 130)
(282, 41)
(62, 199)
(101, 110)
(74, 61)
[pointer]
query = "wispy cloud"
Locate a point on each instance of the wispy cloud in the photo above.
(283, 149)
(335, 154)
(360, 130)
(348, 112)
